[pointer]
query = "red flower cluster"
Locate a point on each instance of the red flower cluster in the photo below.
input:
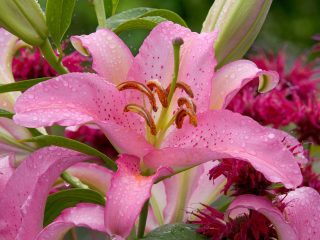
(253, 226)
(241, 176)
(29, 63)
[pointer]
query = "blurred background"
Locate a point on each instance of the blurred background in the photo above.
(290, 23)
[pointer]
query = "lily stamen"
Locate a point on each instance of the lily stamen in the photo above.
(161, 92)
(143, 113)
(188, 103)
(182, 113)
(185, 87)
(142, 88)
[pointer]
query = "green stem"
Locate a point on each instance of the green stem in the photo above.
(73, 181)
(143, 219)
(176, 43)
(51, 57)
(100, 13)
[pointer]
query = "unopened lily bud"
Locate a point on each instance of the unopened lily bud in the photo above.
(238, 23)
(25, 19)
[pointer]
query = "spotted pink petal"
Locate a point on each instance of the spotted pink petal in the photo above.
(128, 192)
(303, 212)
(292, 144)
(78, 98)
(112, 59)
(242, 203)
(197, 67)
(95, 176)
(6, 170)
(224, 134)
(155, 57)
(82, 215)
(232, 77)
(23, 199)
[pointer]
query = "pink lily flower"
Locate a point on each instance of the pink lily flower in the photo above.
(155, 148)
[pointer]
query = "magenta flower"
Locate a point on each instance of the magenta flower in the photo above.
(297, 218)
(30, 64)
(154, 143)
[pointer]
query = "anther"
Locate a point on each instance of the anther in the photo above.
(162, 94)
(143, 113)
(185, 87)
(182, 113)
(188, 103)
(142, 88)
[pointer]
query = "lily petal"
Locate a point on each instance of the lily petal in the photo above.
(79, 98)
(6, 170)
(95, 176)
(232, 77)
(181, 200)
(23, 199)
(82, 215)
(197, 67)
(244, 202)
(155, 57)
(302, 212)
(128, 192)
(112, 59)
(224, 134)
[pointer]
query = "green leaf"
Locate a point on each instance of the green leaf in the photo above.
(175, 231)
(6, 114)
(119, 19)
(59, 15)
(21, 85)
(59, 201)
(48, 140)
(141, 23)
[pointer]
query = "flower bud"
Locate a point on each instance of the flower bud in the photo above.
(238, 23)
(25, 19)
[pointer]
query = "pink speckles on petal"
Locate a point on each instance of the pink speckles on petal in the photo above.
(197, 67)
(83, 215)
(223, 134)
(303, 212)
(23, 199)
(127, 194)
(155, 58)
(71, 99)
(78, 98)
(232, 77)
(112, 59)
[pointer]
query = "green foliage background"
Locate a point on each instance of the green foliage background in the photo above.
(290, 23)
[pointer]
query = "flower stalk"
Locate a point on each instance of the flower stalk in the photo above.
(50, 56)
(100, 13)
(143, 219)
